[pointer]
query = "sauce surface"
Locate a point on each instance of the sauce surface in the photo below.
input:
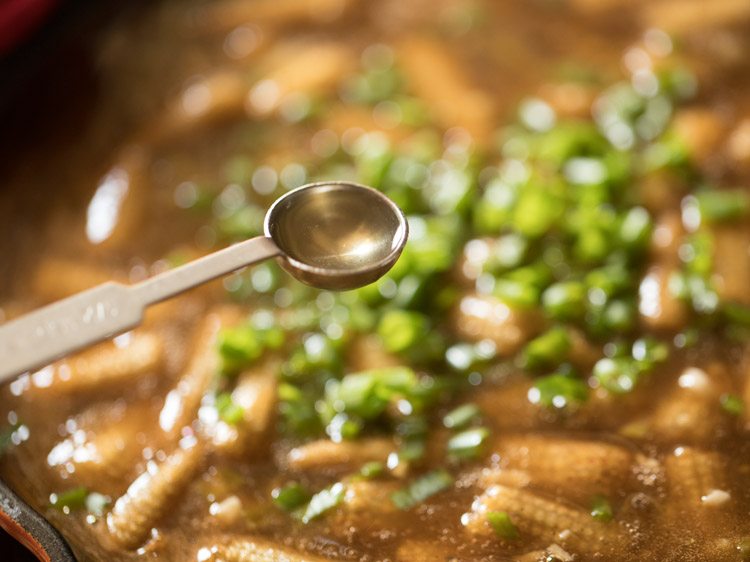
(557, 367)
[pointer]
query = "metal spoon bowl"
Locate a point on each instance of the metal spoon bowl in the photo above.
(332, 235)
(336, 235)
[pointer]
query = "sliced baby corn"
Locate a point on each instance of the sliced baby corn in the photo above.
(698, 496)
(212, 99)
(692, 412)
(256, 394)
(573, 468)
(150, 496)
(368, 497)
(103, 452)
(107, 364)
(325, 453)
(298, 68)
(479, 317)
(696, 479)
(251, 550)
(437, 77)
(182, 402)
(414, 550)
(534, 515)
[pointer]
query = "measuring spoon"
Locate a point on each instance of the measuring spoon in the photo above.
(331, 235)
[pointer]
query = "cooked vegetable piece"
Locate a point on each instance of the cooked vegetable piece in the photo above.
(242, 345)
(692, 412)
(558, 391)
(70, 499)
(323, 501)
(719, 206)
(240, 550)
(149, 497)
(461, 416)
(565, 300)
(543, 518)
(438, 77)
(372, 469)
(182, 402)
(732, 404)
(325, 453)
(547, 350)
(400, 330)
(6, 436)
(106, 367)
(468, 443)
(228, 410)
(601, 510)
(291, 496)
(576, 469)
(502, 525)
(422, 488)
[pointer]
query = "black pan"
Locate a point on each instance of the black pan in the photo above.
(24, 526)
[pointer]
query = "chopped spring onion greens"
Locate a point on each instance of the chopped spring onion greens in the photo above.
(649, 352)
(317, 353)
(517, 293)
(413, 431)
(732, 404)
(743, 547)
(290, 496)
(737, 313)
(619, 375)
(297, 409)
(462, 416)
(79, 498)
(697, 253)
(70, 500)
(536, 212)
(372, 470)
(6, 436)
(401, 330)
(342, 427)
(228, 410)
(468, 444)
(547, 350)
(558, 391)
(239, 347)
(717, 206)
(465, 356)
(635, 228)
(601, 510)
(502, 524)
(611, 280)
(564, 300)
(422, 488)
(412, 449)
(96, 503)
(509, 252)
(367, 393)
(617, 316)
(324, 501)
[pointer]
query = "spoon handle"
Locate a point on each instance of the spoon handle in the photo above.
(40, 337)
(197, 272)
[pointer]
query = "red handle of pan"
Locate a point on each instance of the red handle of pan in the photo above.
(19, 18)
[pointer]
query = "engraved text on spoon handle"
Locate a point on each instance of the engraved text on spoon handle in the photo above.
(44, 335)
